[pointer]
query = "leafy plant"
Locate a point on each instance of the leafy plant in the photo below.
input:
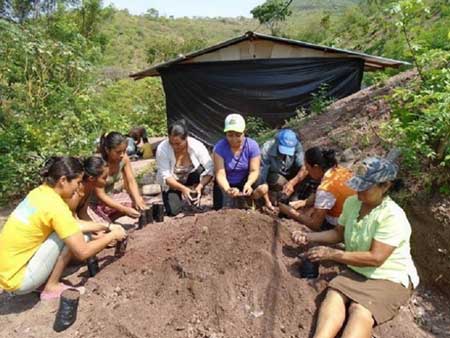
(321, 99)
(421, 113)
(256, 126)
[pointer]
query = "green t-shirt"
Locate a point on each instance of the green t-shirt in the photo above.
(387, 223)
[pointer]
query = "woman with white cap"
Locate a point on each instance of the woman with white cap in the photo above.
(236, 163)
(381, 273)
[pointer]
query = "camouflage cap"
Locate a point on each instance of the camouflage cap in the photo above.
(371, 171)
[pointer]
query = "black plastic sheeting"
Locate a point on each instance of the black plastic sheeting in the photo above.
(203, 94)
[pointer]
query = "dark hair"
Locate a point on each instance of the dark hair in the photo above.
(179, 128)
(109, 141)
(396, 185)
(93, 166)
(324, 158)
(58, 166)
(138, 133)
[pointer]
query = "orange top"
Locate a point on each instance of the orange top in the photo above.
(335, 182)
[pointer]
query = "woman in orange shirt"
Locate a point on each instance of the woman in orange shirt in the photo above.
(330, 196)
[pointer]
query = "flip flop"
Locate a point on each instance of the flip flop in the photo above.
(47, 295)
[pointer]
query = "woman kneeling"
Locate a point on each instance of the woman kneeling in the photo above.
(236, 163)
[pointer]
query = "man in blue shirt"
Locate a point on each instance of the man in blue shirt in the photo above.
(282, 168)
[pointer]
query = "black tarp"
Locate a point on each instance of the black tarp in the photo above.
(204, 93)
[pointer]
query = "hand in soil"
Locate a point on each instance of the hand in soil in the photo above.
(118, 232)
(140, 204)
(233, 192)
(300, 237)
(187, 194)
(321, 253)
(270, 206)
(133, 213)
(196, 200)
(288, 189)
(247, 190)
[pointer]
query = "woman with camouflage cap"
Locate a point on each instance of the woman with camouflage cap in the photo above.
(381, 273)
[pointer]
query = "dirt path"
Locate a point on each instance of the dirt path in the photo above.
(220, 274)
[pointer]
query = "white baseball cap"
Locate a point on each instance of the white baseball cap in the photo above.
(234, 122)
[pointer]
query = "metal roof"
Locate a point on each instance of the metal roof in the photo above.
(371, 62)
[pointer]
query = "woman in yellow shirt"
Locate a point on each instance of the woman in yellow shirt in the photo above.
(41, 235)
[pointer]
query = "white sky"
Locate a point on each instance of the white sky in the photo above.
(180, 8)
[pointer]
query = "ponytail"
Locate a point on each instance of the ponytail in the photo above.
(58, 166)
(109, 141)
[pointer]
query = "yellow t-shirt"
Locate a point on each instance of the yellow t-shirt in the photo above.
(34, 219)
(147, 151)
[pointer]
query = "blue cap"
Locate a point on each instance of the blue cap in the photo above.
(287, 141)
(371, 171)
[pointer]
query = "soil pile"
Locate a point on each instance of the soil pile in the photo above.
(230, 273)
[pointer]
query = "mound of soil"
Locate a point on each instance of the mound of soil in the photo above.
(231, 273)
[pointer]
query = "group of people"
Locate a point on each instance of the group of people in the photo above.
(337, 205)
(69, 216)
(46, 230)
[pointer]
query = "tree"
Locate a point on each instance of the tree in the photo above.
(152, 13)
(272, 13)
(407, 13)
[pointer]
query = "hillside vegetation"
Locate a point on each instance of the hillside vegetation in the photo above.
(64, 73)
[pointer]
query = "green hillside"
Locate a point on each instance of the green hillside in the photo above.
(131, 36)
(302, 5)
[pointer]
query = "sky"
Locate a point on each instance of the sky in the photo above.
(180, 8)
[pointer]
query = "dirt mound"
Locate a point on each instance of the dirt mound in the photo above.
(230, 273)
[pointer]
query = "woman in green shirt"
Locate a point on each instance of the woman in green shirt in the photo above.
(381, 273)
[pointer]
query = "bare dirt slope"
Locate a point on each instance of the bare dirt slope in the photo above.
(231, 273)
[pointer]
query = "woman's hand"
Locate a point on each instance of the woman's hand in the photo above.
(118, 232)
(300, 237)
(321, 253)
(140, 204)
(198, 190)
(288, 189)
(186, 193)
(270, 206)
(131, 212)
(247, 190)
(233, 192)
